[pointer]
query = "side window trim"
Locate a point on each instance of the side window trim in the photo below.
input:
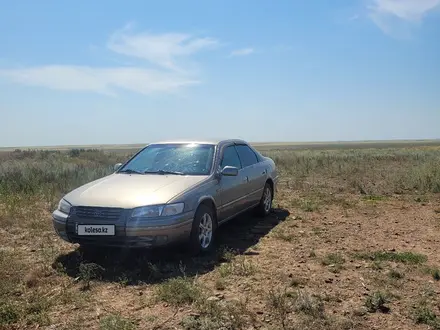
(238, 155)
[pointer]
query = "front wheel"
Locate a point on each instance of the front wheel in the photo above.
(265, 206)
(203, 230)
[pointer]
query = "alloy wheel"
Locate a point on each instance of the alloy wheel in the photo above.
(267, 201)
(205, 230)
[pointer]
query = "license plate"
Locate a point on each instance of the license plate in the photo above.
(95, 230)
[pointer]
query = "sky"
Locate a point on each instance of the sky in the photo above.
(81, 72)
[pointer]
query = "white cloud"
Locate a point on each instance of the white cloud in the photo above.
(410, 10)
(242, 52)
(160, 49)
(395, 17)
(100, 80)
(160, 69)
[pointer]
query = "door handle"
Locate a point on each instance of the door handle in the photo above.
(245, 179)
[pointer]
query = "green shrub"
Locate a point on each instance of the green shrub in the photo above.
(403, 257)
(376, 302)
(8, 313)
(178, 291)
(89, 272)
(115, 322)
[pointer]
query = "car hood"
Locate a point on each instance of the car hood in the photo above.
(131, 190)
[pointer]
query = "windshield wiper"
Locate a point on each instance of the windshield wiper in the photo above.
(164, 172)
(130, 171)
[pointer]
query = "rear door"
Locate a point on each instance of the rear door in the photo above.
(233, 189)
(255, 172)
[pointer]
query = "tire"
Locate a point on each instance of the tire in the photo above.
(265, 206)
(198, 244)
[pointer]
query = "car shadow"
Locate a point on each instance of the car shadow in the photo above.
(139, 266)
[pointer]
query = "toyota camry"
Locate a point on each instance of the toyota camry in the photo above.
(169, 192)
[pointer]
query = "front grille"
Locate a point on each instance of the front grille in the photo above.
(90, 212)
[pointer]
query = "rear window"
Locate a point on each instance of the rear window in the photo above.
(247, 156)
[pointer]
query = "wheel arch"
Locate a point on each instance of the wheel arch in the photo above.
(270, 182)
(210, 202)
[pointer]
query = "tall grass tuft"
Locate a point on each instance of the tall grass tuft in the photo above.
(28, 178)
(366, 171)
(50, 173)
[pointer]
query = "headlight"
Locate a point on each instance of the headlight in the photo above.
(64, 206)
(172, 209)
(157, 210)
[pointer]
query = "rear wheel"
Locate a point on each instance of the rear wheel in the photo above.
(265, 206)
(203, 230)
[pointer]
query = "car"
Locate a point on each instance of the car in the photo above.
(167, 193)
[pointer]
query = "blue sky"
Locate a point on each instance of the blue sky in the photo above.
(138, 71)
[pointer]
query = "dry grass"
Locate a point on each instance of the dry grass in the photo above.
(344, 249)
(404, 257)
(178, 291)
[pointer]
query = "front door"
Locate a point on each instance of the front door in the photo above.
(233, 189)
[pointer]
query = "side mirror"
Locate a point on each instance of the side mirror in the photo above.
(117, 166)
(229, 171)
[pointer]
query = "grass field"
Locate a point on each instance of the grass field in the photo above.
(127, 148)
(352, 243)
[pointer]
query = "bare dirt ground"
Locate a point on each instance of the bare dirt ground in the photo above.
(290, 253)
(326, 258)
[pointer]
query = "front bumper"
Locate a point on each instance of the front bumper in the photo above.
(128, 233)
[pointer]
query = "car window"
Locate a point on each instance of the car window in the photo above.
(189, 159)
(230, 157)
(247, 156)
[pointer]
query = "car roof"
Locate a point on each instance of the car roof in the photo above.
(212, 142)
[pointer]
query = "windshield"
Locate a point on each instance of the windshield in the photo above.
(179, 159)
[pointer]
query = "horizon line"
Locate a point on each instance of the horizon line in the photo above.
(281, 143)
